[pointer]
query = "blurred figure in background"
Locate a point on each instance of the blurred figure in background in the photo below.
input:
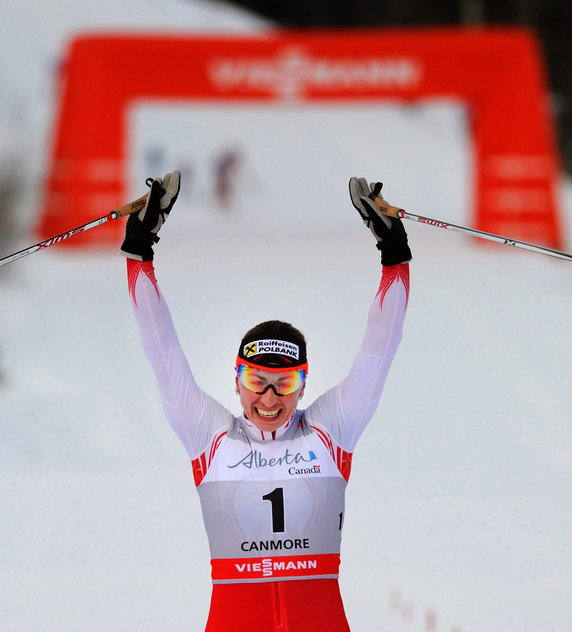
(226, 176)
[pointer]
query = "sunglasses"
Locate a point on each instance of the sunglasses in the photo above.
(259, 381)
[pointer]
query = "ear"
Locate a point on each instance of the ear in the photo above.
(301, 392)
(236, 390)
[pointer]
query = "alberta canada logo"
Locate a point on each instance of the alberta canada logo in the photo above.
(296, 462)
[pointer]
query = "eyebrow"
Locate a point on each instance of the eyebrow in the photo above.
(282, 378)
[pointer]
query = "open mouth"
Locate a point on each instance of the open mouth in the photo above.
(268, 414)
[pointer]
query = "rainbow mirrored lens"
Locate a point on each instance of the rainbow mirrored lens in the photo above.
(259, 381)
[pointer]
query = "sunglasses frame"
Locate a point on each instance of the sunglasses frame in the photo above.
(241, 367)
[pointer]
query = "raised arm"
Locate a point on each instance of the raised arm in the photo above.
(193, 415)
(346, 409)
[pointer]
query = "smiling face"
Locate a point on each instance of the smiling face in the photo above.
(263, 406)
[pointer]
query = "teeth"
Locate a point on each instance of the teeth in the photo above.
(268, 414)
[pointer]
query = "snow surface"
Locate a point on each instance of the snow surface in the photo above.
(459, 500)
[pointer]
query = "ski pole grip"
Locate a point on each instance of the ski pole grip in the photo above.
(387, 209)
(132, 207)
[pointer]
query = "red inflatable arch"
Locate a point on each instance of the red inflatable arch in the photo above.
(496, 72)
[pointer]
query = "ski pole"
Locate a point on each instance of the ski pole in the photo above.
(393, 211)
(122, 211)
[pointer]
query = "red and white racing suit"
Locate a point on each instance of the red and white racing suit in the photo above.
(272, 503)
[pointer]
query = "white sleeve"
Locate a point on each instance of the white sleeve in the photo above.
(194, 416)
(346, 409)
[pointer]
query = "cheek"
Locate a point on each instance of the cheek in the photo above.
(245, 396)
(291, 403)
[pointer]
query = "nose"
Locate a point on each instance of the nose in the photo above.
(269, 396)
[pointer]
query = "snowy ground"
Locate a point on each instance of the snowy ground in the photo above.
(460, 492)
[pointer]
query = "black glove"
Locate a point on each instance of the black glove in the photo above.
(389, 232)
(142, 227)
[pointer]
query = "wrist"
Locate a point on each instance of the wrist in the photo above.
(134, 250)
(394, 254)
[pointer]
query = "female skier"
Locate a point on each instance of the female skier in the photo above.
(271, 480)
